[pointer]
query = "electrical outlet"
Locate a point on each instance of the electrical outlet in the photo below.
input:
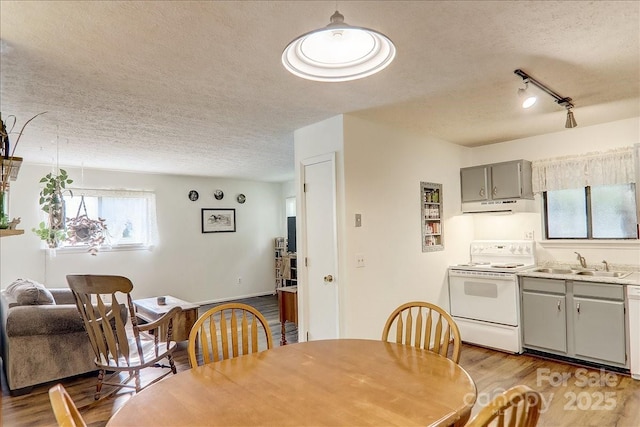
(239, 281)
(528, 235)
(359, 260)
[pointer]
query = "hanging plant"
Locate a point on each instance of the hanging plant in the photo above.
(86, 231)
(8, 163)
(52, 203)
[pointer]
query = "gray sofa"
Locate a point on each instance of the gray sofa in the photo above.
(42, 337)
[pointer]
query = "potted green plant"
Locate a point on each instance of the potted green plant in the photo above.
(52, 203)
(8, 163)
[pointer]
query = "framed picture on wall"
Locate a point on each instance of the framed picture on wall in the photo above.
(218, 220)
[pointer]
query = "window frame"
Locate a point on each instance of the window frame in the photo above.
(589, 218)
(151, 220)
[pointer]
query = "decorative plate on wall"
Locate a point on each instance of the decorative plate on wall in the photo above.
(241, 198)
(193, 195)
(218, 194)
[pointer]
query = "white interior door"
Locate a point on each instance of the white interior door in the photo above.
(321, 248)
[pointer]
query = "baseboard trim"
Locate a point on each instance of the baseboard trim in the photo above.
(216, 301)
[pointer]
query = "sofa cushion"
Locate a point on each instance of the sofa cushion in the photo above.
(29, 292)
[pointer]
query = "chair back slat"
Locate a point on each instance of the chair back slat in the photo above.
(254, 335)
(234, 333)
(437, 336)
(234, 329)
(399, 331)
(433, 329)
(408, 328)
(245, 334)
(418, 329)
(427, 331)
(224, 336)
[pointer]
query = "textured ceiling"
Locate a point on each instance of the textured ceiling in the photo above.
(197, 88)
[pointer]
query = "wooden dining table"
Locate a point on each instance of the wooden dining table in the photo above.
(342, 382)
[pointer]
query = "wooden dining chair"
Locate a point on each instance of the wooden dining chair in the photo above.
(65, 411)
(106, 307)
(519, 406)
(226, 331)
(424, 325)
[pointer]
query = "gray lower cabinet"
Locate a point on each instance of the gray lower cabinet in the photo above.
(544, 314)
(583, 320)
(598, 323)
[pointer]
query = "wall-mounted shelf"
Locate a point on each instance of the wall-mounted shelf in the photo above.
(5, 233)
(431, 217)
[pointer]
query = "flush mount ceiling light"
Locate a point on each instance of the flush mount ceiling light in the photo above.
(338, 52)
(560, 100)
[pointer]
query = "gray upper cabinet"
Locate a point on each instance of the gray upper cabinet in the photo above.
(474, 182)
(496, 181)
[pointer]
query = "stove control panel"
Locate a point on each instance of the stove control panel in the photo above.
(522, 251)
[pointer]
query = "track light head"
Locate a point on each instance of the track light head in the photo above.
(528, 98)
(571, 121)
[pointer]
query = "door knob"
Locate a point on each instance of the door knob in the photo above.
(328, 278)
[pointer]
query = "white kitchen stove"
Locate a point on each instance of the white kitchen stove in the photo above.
(484, 293)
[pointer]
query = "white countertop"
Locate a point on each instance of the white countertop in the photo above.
(632, 279)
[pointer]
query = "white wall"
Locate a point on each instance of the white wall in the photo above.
(383, 170)
(186, 263)
(566, 142)
(379, 170)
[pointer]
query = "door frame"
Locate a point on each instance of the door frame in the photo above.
(303, 272)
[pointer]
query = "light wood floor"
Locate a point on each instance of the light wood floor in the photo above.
(572, 395)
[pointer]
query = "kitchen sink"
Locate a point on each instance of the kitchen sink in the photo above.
(617, 274)
(553, 270)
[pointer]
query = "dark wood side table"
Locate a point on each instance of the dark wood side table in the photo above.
(288, 306)
(148, 310)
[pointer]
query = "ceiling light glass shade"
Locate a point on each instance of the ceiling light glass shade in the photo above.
(571, 121)
(338, 52)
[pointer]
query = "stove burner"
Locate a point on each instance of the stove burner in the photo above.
(511, 265)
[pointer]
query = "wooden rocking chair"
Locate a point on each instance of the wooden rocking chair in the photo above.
(120, 348)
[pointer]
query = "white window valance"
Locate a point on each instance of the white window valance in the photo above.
(599, 168)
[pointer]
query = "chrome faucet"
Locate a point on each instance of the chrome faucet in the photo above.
(583, 262)
(606, 265)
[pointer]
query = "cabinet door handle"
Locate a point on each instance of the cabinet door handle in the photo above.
(495, 191)
(481, 192)
(578, 307)
(558, 305)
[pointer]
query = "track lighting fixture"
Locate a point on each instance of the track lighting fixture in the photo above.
(560, 100)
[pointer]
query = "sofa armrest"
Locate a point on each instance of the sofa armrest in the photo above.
(43, 320)
(63, 295)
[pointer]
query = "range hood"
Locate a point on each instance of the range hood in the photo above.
(507, 205)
